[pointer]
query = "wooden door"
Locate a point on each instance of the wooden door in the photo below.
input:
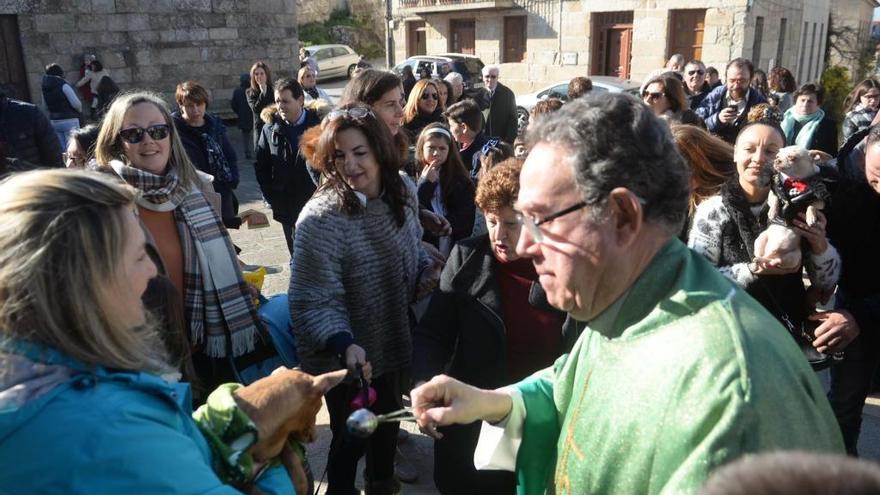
(417, 43)
(686, 33)
(612, 44)
(462, 37)
(12, 71)
(514, 39)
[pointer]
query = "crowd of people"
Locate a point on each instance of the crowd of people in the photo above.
(587, 304)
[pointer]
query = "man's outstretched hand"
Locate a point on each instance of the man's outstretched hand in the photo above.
(446, 401)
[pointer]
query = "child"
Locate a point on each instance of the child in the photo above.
(445, 187)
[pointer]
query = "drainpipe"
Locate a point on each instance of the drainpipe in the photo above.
(559, 40)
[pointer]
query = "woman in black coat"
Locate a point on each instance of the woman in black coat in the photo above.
(806, 124)
(489, 324)
(260, 95)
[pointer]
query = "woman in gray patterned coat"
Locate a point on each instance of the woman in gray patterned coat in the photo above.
(726, 226)
(357, 261)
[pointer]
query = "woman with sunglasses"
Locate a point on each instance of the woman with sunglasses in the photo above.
(357, 261)
(139, 143)
(422, 108)
(665, 95)
(445, 186)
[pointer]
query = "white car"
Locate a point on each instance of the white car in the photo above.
(333, 60)
(601, 84)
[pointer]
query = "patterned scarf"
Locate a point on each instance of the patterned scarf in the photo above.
(216, 299)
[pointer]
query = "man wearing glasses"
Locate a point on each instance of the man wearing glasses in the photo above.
(501, 116)
(726, 108)
(677, 372)
(695, 83)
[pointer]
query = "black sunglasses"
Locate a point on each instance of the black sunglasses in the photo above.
(434, 96)
(134, 135)
(698, 71)
(653, 96)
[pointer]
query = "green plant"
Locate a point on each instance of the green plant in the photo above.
(835, 80)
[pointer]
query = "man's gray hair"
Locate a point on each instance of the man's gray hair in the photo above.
(454, 78)
(614, 140)
(491, 67)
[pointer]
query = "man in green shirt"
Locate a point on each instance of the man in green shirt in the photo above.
(678, 370)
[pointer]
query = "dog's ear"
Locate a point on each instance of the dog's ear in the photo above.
(325, 382)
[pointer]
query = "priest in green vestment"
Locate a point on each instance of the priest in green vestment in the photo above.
(677, 372)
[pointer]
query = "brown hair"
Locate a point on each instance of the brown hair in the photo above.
(499, 186)
(781, 80)
(811, 89)
(411, 110)
(367, 88)
(319, 145)
(710, 159)
(674, 91)
(255, 88)
(191, 91)
(451, 172)
(545, 106)
(579, 86)
(855, 96)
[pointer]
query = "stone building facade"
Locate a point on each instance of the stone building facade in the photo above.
(538, 42)
(150, 44)
(852, 19)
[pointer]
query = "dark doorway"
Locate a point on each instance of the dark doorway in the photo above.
(686, 33)
(462, 37)
(514, 39)
(612, 44)
(12, 72)
(417, 44)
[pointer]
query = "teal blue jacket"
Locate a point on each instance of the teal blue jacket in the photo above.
(67, 428)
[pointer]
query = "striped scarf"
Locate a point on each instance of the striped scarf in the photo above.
(216, 299)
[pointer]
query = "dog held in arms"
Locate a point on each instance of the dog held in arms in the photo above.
(795, 187)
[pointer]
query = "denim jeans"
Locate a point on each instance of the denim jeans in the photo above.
(852, 377)
(63, 128)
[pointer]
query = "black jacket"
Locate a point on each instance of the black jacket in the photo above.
(56, 101)
(501, 120)
(281, 168)
(460, 209)
(28, 135)
(258, 101)
(420, 121)
(462, 334)
(242, 109)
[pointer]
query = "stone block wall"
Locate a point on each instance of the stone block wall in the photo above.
(156, 44)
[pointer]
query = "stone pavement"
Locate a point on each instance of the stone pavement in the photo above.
(266, 247)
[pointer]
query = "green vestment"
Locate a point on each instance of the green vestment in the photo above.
(684, 373)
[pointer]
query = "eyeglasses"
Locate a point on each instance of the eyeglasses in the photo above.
(490, 76)
(532, 224)
(356, 113)
(652, 96)
(741, 81)
(697, 71)
(433, 96)
(134, 135)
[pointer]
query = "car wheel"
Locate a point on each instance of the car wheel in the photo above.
(351, 70)
(522, 119)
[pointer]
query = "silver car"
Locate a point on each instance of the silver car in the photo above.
(333, 60)
(601, 84)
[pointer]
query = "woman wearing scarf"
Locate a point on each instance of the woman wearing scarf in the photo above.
(139, 143)
(308, 80)
(806, 125)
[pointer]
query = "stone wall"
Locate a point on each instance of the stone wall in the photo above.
(155, 44)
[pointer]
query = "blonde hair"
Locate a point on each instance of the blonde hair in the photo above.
(109, 145)
(62, 234)
(411, 110)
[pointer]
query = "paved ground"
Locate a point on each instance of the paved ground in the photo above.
(266, 247)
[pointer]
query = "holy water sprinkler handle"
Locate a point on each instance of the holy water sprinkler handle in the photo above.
(365, 387)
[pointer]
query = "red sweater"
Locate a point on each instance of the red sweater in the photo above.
(534, 336)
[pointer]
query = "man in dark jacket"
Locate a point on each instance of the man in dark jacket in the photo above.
(27, 134)
(695, 83)
(501, 117)
(239, 104)
(466, 123)
(854, 229)
(61, 101)
(725, 110)
(281, 169)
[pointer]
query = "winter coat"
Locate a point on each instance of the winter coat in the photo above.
(258, 101)
(459, 207)
(240, 106)
(28, 134)
(56, 101)
(462, 334)
(322, 95)
(203, 143)
(714, 102)
(70, 428)
(281, 169)
(420, 121)
(824, 138)
(502, 120)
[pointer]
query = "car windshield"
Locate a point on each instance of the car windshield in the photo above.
(469, 66)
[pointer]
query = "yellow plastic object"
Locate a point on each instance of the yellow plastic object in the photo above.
(255, 278)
